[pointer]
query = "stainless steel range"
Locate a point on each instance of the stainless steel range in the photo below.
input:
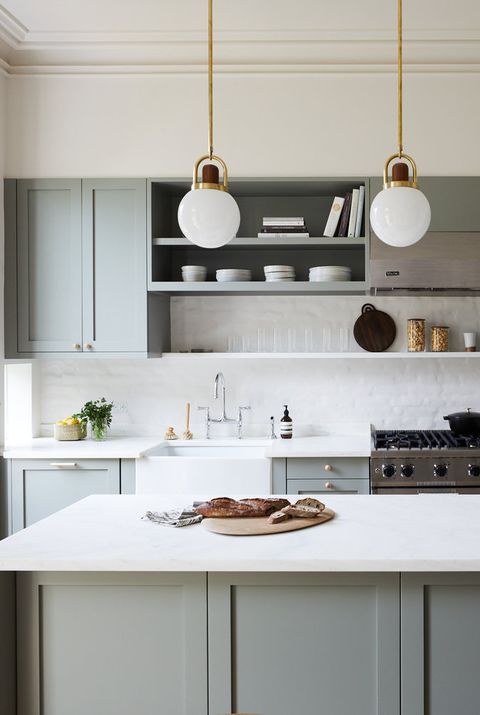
(416, 461)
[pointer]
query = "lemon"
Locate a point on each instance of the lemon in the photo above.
(60, 422)
(69, 421)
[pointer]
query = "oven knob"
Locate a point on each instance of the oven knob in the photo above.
(388, 470)
(473, 470)
(407, 470)
(440, 470)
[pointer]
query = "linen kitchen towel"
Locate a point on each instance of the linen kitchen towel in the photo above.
(176, 517)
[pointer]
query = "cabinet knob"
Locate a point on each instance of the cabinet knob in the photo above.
(88, 346)
(76, 346)
(328, 468)
(328, 485)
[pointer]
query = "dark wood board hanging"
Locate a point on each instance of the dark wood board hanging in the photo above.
(374, 330)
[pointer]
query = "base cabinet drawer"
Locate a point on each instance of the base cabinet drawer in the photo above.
(336, 467)
(41, 487)
(328, 486)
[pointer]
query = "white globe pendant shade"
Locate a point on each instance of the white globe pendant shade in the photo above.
(208, 217)
(400, 215)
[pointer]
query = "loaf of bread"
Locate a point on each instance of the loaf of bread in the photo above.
(302, 512)
(310, 501)
(225, 507)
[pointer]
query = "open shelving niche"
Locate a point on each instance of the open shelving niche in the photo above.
(308, 197)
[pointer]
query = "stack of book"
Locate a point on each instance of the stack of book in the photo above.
(346, 215)
(283, 227)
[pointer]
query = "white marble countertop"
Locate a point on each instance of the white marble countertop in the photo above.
(111, 448)
(338, 440)
(438, 532)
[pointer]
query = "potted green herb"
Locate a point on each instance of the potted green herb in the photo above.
(99, 414)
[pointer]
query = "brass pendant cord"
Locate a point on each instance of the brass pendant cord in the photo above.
(400, 79)
(210, 78)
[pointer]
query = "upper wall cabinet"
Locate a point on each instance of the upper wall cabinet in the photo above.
(49, 260)
(76, 268)
(453, 200)
(114, 248)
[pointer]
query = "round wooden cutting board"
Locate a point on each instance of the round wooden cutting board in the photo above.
(259, 525)
(374, 330)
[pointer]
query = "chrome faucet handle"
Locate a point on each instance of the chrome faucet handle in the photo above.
(207, 421)
(272, 432)
(240, 419)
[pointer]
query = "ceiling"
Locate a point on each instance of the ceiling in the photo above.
(51, 36)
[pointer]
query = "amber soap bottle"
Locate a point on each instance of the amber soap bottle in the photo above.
(286, 425)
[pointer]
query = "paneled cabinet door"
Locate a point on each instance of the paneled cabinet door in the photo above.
(114, 265)
(440, 643)
(304, 643)
(49, 266)
(327, 485)
(112, 644)
(41, 487)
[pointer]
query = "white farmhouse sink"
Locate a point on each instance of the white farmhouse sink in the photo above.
(220, 470)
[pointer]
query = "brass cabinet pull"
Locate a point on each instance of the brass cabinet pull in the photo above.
(328, 468)
(328, 485)
(88, 346)
(77, 346)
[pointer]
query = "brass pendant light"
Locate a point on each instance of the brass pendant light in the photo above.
(400, 214)
(208, 215)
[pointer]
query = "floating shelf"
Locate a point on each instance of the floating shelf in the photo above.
(258, 288)
(322, 356)
(255, 242)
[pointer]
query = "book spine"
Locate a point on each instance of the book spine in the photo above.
(261, 234)
(333, 217)
(283, 221)
(343, 224)
(361, 203)
(353, 214)
(284, 229)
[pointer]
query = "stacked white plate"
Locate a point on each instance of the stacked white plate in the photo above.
(279, 273)
(228, 275)
(327, 274)
(193, 274)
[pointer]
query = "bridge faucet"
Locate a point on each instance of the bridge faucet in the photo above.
(219, 384)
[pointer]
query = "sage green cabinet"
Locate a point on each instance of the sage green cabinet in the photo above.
(112, 644)
(76, 269)
(321, 475)
(114, 224)
(453, 200)
(49, 259)
(440, 644)
(328, 486)
(304, 643)
(40, 487)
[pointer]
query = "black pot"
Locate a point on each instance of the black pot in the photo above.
(465, 422)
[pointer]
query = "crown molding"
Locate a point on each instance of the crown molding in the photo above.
(236, 52)
(12, 30)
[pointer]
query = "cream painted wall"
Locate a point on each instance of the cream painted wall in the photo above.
(266, 124)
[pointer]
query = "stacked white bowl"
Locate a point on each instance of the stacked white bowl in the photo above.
(229, 275)
(327, 274)
(279, 273)
(194, 274)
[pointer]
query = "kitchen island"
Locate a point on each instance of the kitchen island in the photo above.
(373, 613)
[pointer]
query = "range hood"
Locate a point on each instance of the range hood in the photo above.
(442, 262)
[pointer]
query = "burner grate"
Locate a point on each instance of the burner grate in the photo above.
(423, 439)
